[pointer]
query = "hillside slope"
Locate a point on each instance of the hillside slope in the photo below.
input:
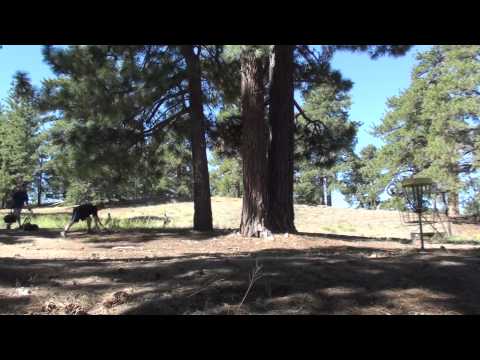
(308, 219)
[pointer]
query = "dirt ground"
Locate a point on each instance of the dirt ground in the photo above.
(154, 271)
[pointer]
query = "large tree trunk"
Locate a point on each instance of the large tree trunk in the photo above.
(322, 190)
(202, 218)
(39, 183)
(453, 206)
(328, 192)
(282, 122)
(254, 146)
(39, 190)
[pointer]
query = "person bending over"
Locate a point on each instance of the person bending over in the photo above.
(84, 212)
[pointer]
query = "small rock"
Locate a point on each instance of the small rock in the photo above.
(49, 307)
(23, 291)
(118, 298)
(74, 309)
(286, 235)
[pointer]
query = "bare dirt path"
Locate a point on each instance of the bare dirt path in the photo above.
(182, 272)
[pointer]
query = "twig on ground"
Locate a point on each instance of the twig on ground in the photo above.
(204, 288)
(254, 276)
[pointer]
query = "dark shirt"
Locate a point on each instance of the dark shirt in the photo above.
(19, 198)
(86, 210)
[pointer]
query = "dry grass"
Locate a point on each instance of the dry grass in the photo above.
(322, 280)
(226, 215)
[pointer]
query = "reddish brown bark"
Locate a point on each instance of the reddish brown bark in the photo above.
(281, 116)
(254, 146)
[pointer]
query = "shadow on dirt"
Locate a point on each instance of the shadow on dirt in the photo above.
(143, 235)
(466, 220)
(353, 238)
(340, 280)
(23, 235)
(112, 237)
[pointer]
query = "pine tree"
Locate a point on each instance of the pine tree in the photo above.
(19, 127)
(431, 129)
(202, 220)
(255, 133)
(119, 98)
(281, 150)
(308, 69)
(323, 141)
(361, 182)
(226, 176)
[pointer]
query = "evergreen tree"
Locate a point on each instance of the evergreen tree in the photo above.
(308, 69)
(323, 141)
(19, 128)
(472, 201)
(255, 134)
(361, 182)
(226, 176)
(201, 187)
(432, 128)
(281, 150)
(118, 98)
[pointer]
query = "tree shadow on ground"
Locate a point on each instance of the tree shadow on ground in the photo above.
(111, 237)
(354, 238)
(15, 305)
(18, 235)
(340, 280)
(475, 220)
(137, 236)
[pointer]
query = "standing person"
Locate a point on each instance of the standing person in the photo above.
(19, 199)
(84, 212)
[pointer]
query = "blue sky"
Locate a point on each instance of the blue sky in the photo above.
(374, 82)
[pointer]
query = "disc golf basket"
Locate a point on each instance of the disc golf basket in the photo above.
(422, 200)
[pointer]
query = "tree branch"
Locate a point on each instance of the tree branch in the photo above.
(309, 120)
(165, 122)
(161, 102)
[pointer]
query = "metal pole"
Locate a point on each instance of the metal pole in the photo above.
(419, 204)
(421, 230)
